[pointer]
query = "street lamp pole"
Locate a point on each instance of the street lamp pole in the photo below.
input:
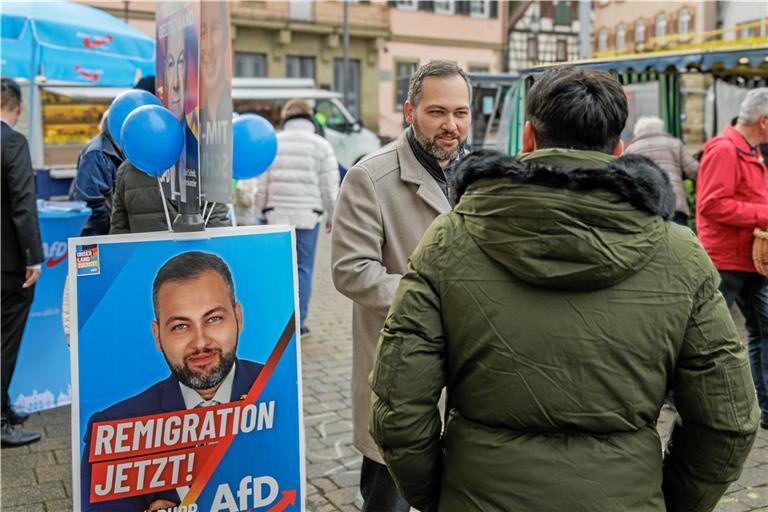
(345, 65)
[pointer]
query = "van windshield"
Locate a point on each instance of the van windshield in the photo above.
(331, 116)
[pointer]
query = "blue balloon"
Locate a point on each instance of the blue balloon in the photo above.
(254, 146)
(152, 139)
(123, 105)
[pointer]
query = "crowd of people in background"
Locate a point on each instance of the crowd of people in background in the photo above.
(510, 313)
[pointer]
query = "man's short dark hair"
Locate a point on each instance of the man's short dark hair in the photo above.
(187, 266)
(577, 108)
(438, 68)
(10, 94)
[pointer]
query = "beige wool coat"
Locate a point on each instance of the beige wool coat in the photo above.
(386, 203)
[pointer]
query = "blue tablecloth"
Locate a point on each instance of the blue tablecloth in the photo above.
(41, 379)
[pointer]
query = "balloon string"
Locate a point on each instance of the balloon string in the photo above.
(165, 205)
(210, 212)
(232, 214)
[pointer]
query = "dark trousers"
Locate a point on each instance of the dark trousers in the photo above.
(16, 302)
(306, 245)
(378, 489)
(750, 291)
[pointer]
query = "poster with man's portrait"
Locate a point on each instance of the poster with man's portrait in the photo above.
(186, 375)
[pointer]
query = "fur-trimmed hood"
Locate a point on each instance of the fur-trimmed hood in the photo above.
(586, 227)
(633, 178)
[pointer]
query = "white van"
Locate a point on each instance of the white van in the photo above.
(68, 115)
(266, 97)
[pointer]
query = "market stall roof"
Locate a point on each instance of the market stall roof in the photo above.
(707, 60)
(238, 93)
(74, 42)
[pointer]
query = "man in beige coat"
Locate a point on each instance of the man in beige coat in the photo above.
(386, 203)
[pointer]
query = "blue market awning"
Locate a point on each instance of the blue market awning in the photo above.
(72, 42)
(701, 60)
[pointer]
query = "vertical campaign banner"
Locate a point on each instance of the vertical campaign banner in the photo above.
(41, 378)
(186, 373)
(215, 103)
(177, 34)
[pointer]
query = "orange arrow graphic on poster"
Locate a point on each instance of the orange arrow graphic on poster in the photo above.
(289, 498)
(206, 471)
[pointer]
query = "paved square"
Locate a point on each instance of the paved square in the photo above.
(37, 478)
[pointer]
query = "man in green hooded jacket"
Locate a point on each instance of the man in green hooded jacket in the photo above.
(558, 306)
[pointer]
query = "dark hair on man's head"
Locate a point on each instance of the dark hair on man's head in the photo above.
(188, 266)
(437, 68)
(578, 109)
(10, 94)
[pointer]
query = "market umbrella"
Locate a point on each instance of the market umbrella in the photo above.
(73, 42)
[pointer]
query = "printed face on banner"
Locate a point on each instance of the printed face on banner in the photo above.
(194, 403)
(177, 32)
(216, 102)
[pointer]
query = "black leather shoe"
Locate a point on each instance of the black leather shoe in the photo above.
(11, 437)
(16, 418)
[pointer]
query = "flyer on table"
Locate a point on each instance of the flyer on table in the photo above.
(186, 372)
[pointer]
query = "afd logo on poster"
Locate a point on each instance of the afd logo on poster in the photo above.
(54, 252)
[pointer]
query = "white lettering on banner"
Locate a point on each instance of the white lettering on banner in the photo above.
(261, 490)
(186, 427)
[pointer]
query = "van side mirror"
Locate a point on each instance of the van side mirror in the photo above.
(356, 127)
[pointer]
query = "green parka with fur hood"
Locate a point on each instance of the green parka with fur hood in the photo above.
(558, 307)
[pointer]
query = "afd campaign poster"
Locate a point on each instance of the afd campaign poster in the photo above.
(186, 372)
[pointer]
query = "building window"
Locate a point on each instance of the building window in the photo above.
(639, 32)
(353, 83)
(478, 68)
(480, 8)
(251, 65)
(299, 67)
(444, 7)
(602, 41)
(561, 50)
(661, 26)
(407, 5)
(532, 49)
(403, 72)
(621, 38)
(684, 22)
(301, 10)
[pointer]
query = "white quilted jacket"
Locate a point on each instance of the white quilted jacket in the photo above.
(302, 183)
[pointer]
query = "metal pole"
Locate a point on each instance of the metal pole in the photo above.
(585, 29)
(345, 71)
(125, 10)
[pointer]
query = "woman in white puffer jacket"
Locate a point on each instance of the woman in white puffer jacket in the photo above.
(299, 189)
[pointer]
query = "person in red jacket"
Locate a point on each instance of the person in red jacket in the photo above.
(731, 201)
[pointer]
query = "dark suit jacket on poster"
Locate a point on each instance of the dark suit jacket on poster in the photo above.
(20, 228)
(165, 396)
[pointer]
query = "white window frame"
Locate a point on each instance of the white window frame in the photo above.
(445, 7)
(660, 26)
(486, 8)
(684, 21)
(621, 38)
(639, 30)
(602, 41)
(407, 5)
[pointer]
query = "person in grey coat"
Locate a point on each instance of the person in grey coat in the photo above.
(668, 152)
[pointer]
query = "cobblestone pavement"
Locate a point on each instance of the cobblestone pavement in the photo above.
(37, 478)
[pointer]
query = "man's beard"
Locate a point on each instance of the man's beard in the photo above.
(432, 147)
(195, 380)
